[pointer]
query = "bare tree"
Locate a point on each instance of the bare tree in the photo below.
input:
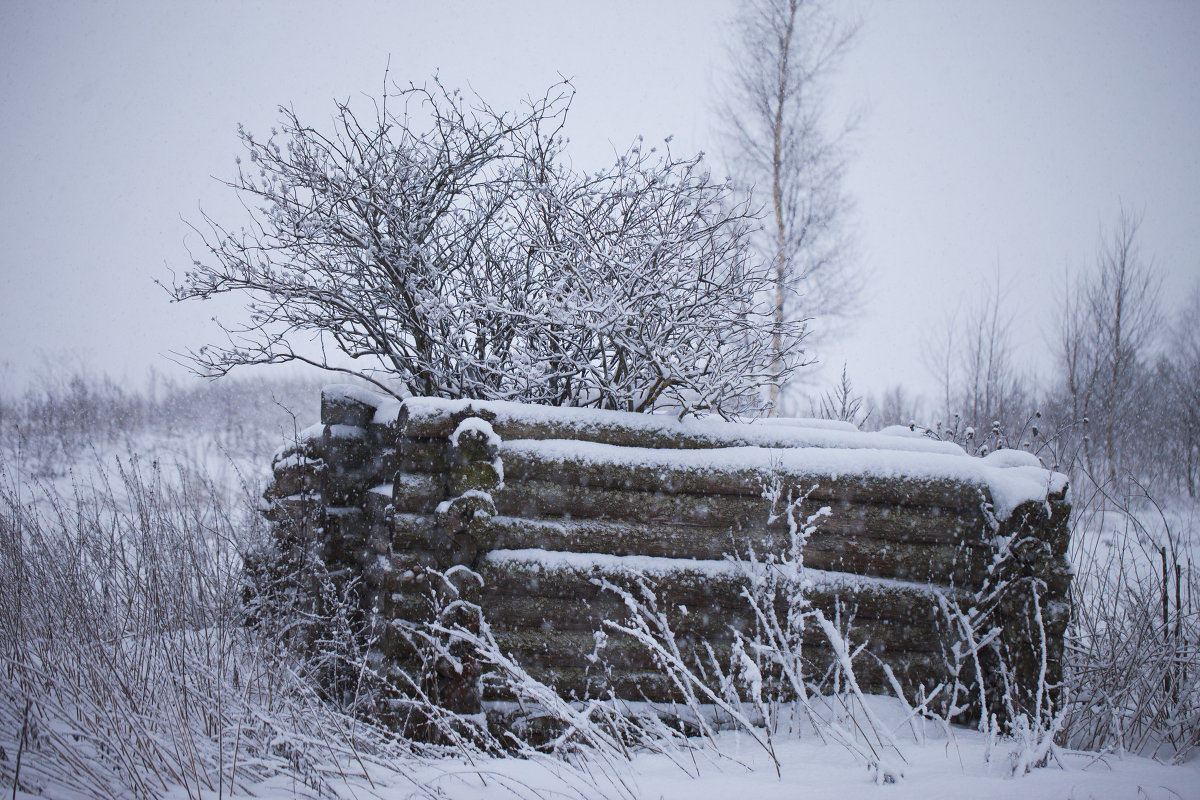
(451, 249)
(1182, 413)
(974, 359)
(939, 349)
(1109, 322)
(992, 389)
(782, 56)
(895, 407)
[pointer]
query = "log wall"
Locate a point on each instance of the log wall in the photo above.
(546, 504)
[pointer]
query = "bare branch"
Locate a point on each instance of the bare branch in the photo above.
(451, 247)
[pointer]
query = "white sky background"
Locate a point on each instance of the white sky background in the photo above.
(997, 136)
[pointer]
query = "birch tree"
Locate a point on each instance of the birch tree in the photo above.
(1108, 326)
(1184, 397)
(782, 151)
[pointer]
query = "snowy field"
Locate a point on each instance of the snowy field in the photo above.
(202, 730)
(943, 768)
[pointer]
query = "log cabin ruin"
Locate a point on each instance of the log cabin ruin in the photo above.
(941, 565)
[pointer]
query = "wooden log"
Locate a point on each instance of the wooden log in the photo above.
(932, 523)
(422, 455)
(1046, 521)
(426, 455)
(473, 510)
(417, 494)
(383, 463)
(377, 504)
(654, 686)
(574, 683)
(627, 667)
(295, 511)
(863, 540)
(347, 452)
(473, 440)
(840, 544)
(347, 487)
(413, 531)
(346, 404)
(295, 477)
(345, 534)
(534, 648)
(545, 608)
(547, 615)
(702, 590)
(400, 573)
(521, 464)
(538, 620)
(529, 498)
(514, 589)
(562, 658)
(338, 487)
(474, 476)
(383, 427)
(874, 555)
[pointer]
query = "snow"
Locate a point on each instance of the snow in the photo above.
(344, 432)
(343, 511)
(1011, 458)
(485, 498)
(387, 413)
(903, 431)
(1008, 486)
(815, 422)
(763, 432)
(657, 565)
(352, 391)
(939, 764)
(293, 460)
(415, 481)
(314, 431)
(475, 425)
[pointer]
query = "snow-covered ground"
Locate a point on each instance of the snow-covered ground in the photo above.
(942, 767)
(935, 761)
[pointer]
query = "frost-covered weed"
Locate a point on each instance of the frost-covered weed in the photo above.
(127, 668)
(125, 657)
(768, 687)
(1133, 664)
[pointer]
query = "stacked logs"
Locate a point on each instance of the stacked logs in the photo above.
(543, 527)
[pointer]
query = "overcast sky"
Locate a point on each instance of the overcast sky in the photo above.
(997, 138)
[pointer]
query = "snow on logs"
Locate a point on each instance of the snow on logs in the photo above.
(543, 504)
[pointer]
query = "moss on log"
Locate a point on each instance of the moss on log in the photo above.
(944, 493)
(531, 498)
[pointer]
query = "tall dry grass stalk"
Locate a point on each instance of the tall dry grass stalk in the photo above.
(126, 668)
(1133, 647)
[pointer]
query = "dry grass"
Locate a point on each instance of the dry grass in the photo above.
(1133, 648)
(127, 669)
